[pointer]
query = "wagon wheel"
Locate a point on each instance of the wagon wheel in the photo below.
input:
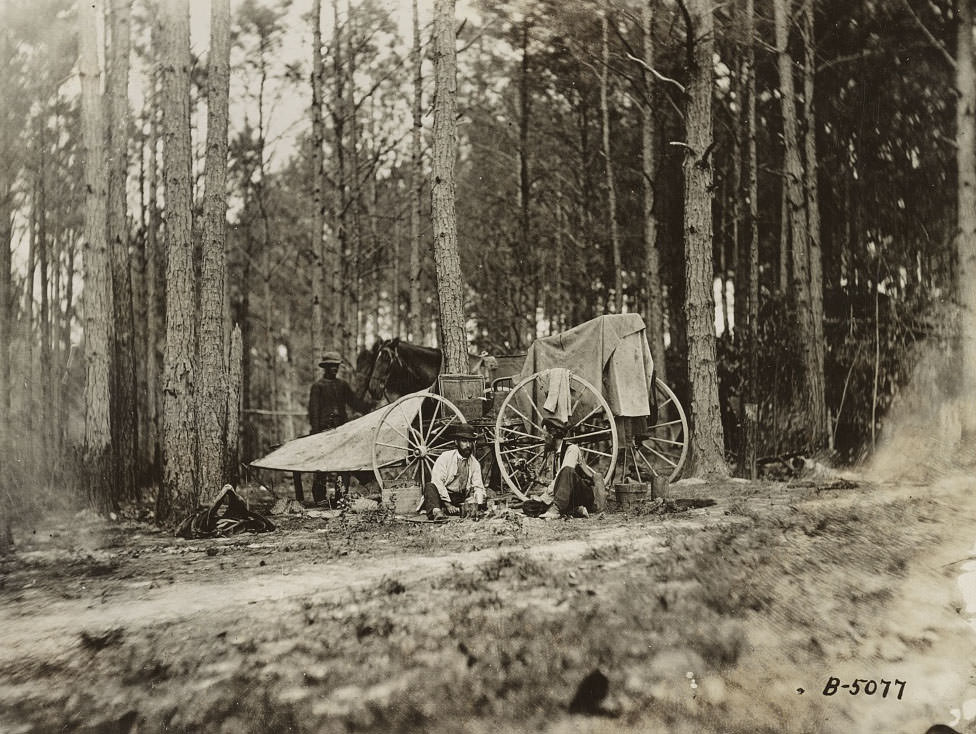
(412, 432)
(662, 448)
(527, 442)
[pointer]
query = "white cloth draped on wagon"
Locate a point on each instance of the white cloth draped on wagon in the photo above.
(610, 352)
(350, 446)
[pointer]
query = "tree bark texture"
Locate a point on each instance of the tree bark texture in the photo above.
(6, 304)
(212, 404)
(8, 142)
(618, 274)
(97, 275)
(966, 210)
(234, 395)
(813, 205)
(44, 247)
(752, 196)
(318, 244)
(336, 279)
(795, 209)
(352, 338)
(450, 293)
(154, 272)
(180, 490)
(125, 427)
(27, 321)
(652, 266)
(707, 439)
(415, 322)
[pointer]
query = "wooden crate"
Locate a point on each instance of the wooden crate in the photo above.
(461, 387)
(402, 498)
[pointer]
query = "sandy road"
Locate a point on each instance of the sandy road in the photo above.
(56, 627)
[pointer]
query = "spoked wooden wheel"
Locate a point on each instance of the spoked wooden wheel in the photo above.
(661, 449)
(412, 432)
(529, 438)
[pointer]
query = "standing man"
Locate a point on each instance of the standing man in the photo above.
(455, 477)
(330, 401)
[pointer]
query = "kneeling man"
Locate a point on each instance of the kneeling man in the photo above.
(455, 478)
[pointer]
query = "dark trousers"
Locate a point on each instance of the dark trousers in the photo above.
(572, 491)
(319, 489)
(432, 498)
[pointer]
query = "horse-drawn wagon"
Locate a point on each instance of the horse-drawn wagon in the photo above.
(592, 386)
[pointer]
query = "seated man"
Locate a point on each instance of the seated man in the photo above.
(455, 477)
(576, 489)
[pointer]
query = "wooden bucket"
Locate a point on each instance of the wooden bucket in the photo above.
(630, 494)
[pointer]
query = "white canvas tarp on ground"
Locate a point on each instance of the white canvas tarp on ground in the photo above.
(610, 352)
(350, 446)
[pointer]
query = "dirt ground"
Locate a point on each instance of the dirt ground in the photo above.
(727, 618)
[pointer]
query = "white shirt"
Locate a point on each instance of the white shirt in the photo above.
(445, 476)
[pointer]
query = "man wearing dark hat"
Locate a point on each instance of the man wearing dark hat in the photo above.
(455, 478)
(330, 402)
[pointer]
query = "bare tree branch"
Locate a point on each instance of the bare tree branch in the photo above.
(928, 35)
(656, 73)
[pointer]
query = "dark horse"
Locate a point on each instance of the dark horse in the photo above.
(393, 367)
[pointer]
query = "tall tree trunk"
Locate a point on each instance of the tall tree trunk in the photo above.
(796, 207)
(212, 406)
(353, 337)
(450, 294)
(27, 325)
(8, 176)
(319, 254)
(180, 491)
(379, 253)
(739, 274)
(66, 346)
(783, 281)
(618, 271)
(752, 196)
(813, 205)
(153, 282)
(6, 303)
(98, 433)
(966, 210)
(123, 373)
(415, 329)
(44, 243)
(707, 439)
(140, 310)
(340, 234)
(395, 306)
(234, 394)
(652, 262)
(530, 255)
(54, 336)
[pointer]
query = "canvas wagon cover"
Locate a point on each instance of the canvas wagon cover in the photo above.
(610, 352)
(350, 446)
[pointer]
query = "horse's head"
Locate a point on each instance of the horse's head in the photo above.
(384, 357)
(364, 368)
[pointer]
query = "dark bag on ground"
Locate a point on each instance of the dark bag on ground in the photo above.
(227, 515)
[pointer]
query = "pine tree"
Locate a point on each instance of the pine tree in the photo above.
(448, 264)
(98, 434)
(179, 492)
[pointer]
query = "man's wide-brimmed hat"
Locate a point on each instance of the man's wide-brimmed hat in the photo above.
(330, 358)
(464, 430)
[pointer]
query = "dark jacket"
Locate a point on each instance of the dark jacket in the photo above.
(329, 404)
